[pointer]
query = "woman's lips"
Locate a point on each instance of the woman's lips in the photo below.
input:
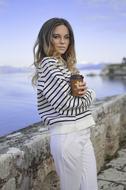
(62, 48)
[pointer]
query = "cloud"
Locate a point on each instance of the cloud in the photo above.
(105, 1)
(3, 5)
(104, 10)
(98, 17)
(123, 14)
(114, 4)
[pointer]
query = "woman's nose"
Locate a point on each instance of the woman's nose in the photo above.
(62, 40)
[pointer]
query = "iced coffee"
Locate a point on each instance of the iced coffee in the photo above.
(75, 81)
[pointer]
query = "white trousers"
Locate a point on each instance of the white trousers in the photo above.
(74, 160)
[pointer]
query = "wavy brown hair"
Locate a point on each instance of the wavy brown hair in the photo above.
(44, 48)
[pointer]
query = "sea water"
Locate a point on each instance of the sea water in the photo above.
(18, 103)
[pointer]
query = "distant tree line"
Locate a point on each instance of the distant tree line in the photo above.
(124, 60)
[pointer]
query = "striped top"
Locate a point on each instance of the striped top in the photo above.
(56, 105)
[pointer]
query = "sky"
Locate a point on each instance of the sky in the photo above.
(99, 28)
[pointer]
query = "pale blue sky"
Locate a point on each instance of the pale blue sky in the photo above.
(99, 28)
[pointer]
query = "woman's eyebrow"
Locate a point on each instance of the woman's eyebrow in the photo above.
(60, 34)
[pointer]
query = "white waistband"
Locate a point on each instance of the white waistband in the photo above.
(69, 127)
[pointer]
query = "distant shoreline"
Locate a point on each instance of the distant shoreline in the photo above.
(10, 69)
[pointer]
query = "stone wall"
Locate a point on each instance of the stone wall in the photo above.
(25, 160)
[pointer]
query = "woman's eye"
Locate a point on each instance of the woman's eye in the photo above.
(67, 37)
(59, 37)
(55, 36)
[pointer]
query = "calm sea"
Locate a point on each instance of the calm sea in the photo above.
(18, 98)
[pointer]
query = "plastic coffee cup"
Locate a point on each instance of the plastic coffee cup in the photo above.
(75, 80)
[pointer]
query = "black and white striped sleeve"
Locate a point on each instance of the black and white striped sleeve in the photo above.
(57, 90)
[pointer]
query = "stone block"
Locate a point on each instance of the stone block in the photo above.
(10, 185)
(6, 165)
(113, 176)
(107, 185)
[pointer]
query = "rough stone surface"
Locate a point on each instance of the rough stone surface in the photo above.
(10, 185)
(113, 176)
(26, 162)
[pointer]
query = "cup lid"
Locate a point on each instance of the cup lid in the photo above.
(76, 76)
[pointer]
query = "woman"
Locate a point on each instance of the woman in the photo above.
(68, 117)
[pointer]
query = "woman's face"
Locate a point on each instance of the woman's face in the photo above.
(61, 39)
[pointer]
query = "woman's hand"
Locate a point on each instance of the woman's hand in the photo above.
(81, 88)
